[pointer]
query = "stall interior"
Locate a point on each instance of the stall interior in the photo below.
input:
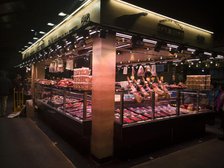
(151, 82)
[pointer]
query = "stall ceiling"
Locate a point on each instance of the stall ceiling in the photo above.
(18, 17)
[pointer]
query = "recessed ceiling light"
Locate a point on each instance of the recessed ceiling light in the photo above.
(50, 24)
(41, 32)
(62, 14)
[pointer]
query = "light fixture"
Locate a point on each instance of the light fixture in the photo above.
(208, 53)
(62, 14)
(32, 30)
(58, 25)
(172, 46)
(50, 24)
(191, 50)
(41, 32)
(219, 57)
(30, 42)
(35, 38)
(92, 32)
(149, 41)
(123, 35)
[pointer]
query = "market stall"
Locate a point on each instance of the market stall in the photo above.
(108, 80)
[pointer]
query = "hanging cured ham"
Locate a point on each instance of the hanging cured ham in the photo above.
(69, 63)
(125, 70)
(141, 71)
(60, 67)
(153, 70)
(132, 72)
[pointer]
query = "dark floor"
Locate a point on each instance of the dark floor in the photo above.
(24, 145)
(29, 143)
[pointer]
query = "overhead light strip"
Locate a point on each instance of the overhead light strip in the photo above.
(172, 46)
(208, 53)
(86, 3)
(149, 41)
(123, 35)
(191, 49)
(50, 24)
(62, 14)
(146, 10)
(122, 46)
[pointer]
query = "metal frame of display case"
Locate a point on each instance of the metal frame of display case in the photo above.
(76, 131)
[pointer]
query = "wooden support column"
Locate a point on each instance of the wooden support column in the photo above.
(103, 91)
(37, 72)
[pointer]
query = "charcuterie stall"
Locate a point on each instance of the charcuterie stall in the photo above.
(114, 79)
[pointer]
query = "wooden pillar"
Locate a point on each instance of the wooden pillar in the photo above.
(37, 72)
(103, 91)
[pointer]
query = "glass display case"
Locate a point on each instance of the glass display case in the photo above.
(74, 104)
(77, 104)
(180, 103)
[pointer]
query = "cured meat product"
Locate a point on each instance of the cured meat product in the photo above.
(69, 63)
(125, 70)
(65, 83)
(55, 65)
(127, 120)
(149, 115)
(131, 86)
(157, 90)
(141, 71)
(134, 118)
(142, 117)
(81, 71)
(143, 92)
(133, 72)
(60, 67)
(138, 97)
(153, 70)
(147, 88)
(52, 67)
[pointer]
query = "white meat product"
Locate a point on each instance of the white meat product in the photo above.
(141, 71)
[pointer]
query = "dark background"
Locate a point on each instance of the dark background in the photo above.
(18, 17)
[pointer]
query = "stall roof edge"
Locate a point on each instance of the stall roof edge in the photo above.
(126, 3)
(155, 13)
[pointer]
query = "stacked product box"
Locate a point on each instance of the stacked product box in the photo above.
(82, 79)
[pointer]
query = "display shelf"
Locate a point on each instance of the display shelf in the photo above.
(185, 102)
(76, 105)
(201, 82)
